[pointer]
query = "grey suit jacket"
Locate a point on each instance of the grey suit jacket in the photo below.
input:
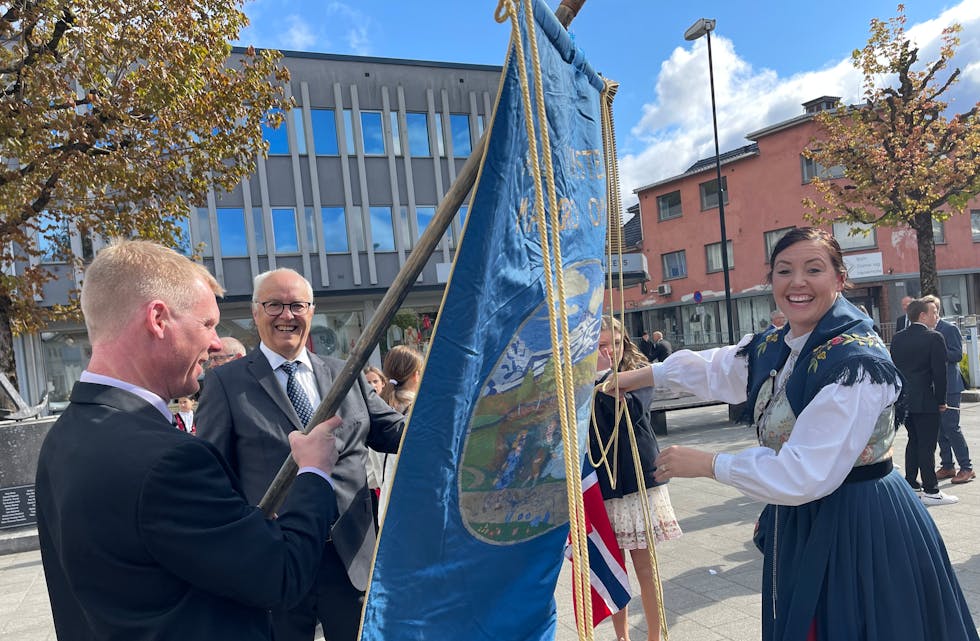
(245, 413)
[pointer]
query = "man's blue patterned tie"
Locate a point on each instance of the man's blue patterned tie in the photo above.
(299, 399)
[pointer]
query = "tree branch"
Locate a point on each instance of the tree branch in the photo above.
(63, 24)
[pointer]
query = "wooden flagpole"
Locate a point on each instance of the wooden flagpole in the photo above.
(567, 11)
(396, 295)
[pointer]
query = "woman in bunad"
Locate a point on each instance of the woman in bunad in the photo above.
(850, 552)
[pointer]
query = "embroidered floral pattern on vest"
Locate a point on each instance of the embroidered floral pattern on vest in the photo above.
(763, 345)
(820, 352)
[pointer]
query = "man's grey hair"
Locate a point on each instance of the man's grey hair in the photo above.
(257, 283)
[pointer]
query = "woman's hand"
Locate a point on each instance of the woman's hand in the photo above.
(684, 462)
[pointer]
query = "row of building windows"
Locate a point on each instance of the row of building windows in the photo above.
(675, 263)
(417, 141)
(669, 205)
(343, 230)
(850, 237)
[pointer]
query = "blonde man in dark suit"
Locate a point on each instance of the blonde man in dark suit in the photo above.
(144, 531)
(919, 353)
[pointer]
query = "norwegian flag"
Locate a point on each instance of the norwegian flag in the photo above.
(607, 568)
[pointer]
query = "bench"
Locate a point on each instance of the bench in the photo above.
(665, 400)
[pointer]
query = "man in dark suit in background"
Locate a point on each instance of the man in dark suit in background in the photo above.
(646, 346)
(144, 531)
(248, 408)
(661, 348)
(919, 352)
(903, 321)
(951, 440)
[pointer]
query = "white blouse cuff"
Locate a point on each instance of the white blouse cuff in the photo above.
(723, 467)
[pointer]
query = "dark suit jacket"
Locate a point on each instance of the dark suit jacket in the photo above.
(245, 412)
(901, 322)
(145, 533)
(919, 354)
(646, 348)
(954, 354)
(661, 350)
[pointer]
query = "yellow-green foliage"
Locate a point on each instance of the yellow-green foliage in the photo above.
(115, 119)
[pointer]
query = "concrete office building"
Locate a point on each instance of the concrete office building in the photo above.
(352, 179)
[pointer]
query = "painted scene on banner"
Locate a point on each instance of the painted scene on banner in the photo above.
(512, 477)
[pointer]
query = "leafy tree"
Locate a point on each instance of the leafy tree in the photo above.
(905, 161)
(115, 118)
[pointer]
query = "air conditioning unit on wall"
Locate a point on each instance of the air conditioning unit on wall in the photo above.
(663, 289)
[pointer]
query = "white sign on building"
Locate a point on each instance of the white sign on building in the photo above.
(863, 265)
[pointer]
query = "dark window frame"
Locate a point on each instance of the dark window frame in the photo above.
(668, 213)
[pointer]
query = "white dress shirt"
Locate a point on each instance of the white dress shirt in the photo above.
(304, 373)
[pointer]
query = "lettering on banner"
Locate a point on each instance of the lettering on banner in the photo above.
(585, 165)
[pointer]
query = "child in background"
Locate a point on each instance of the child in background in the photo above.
(184, 416)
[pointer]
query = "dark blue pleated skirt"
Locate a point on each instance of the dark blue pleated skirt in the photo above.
(866, 563)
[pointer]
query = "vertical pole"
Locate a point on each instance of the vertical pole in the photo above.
(721, 204)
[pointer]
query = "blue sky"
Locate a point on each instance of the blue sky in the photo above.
(769, 57)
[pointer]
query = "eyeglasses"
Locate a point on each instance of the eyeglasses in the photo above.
(274, 308)
(222, 358)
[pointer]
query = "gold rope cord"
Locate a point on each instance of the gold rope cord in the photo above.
(614, 247)
(561, 348)
(551, 245)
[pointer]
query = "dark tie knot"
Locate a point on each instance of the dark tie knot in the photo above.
(289, 367)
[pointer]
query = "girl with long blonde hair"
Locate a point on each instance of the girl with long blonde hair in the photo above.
(611, 452)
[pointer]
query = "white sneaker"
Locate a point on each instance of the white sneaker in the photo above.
(937, 499)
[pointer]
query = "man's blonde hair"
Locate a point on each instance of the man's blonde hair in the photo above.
(130, 273)
(930, 298)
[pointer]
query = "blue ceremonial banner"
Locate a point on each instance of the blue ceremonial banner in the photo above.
(474, 534)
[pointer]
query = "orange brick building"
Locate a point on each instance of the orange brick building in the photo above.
(764, 183)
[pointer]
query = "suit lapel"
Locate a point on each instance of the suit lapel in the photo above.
(323, 375)
(259, 368)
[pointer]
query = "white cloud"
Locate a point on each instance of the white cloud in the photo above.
(356, 24)
(359, 41)
(676, 126)
(336, 28)
(297, 36)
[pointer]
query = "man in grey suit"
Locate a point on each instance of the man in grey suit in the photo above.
(951, 440)
(247, 409)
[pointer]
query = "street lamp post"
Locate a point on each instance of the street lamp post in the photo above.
(704, 27)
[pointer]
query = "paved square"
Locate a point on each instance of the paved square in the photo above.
(711, 575)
